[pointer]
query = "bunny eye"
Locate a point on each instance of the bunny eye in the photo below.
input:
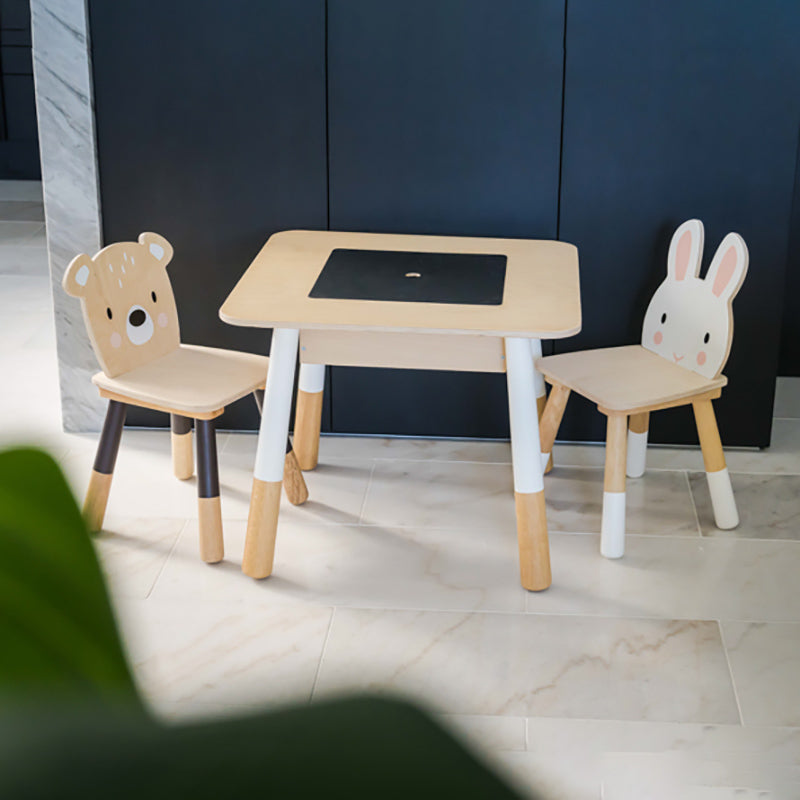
(706, 338)
(663, 318)
(109, 314)
(153, 295)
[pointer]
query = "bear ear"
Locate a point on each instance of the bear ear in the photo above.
(79, 276)
(685, 251)
(157, 246)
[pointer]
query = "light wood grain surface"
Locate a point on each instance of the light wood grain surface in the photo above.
(541, 299)
(625, 379)
(190, 380)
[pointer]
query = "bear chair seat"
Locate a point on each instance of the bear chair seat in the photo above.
(192, 380)
(626, 379)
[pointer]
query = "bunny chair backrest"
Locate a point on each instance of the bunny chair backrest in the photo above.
(127, 302)
(690, 320)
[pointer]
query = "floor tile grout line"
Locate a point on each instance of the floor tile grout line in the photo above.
(694, 504)
(322, 654)
(363, 507)
(166, 560)
(551, 613)
(730, 672)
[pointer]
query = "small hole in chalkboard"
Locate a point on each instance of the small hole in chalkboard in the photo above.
(413, 275)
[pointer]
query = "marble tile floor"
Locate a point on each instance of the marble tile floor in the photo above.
(674, 672)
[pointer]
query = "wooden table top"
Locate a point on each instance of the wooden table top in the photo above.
(541, 299)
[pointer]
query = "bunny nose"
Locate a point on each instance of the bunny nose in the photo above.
(137, 317)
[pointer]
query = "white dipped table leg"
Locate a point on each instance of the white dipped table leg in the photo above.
(534, 551)
(308, 415)
(262, 522)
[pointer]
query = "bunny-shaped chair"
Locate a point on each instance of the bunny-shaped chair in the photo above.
(686, 339)
(132, 320)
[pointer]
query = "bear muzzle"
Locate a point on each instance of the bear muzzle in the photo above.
(139, 326)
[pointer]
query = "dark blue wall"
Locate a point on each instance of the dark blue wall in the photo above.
(678, 110)
(444, 118)
(604, 124)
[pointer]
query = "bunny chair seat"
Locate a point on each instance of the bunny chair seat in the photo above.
(686, 340)
(132, 320)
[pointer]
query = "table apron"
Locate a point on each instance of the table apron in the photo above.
(461, 353)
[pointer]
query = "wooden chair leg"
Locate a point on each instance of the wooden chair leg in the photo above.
(209, 511)
(308, 414)
(638, 427)
(181, 439)
(550, 421)
(726, 516)
(294, 484)
(612, 531)
(94, 505)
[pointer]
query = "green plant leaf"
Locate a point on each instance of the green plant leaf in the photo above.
(58, 636)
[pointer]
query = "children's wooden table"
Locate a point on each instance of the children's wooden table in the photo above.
(399, 301)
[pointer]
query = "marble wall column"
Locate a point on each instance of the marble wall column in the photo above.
(64, 104)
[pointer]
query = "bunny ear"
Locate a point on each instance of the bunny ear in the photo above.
(685, 251)
(729, 267)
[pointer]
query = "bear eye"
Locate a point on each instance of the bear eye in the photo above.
(663, 318)
(706, 338)
(109, 314)
(153, 295)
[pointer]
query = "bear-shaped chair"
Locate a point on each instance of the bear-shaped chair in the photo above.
(130, 315)
(686, 339)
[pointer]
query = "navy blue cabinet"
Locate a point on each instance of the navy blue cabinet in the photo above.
(603, 124)
(678, 110)
(19, 137)
(210, 131)
(444, 118)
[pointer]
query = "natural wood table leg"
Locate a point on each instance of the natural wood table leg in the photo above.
(541, 394)
(612, 532)
(262, 522)
(181, 440)
(550, 420)
(726, 515)
(212, 548)
(638, 427)
(534, 551)
(308, 415)
(94, 506)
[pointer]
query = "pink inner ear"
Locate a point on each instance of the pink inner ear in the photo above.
(682, 253)
(725, 272)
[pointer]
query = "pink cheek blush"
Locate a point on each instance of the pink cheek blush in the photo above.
(163, 319)
(658, 337)
(116, 340)
(701, 358)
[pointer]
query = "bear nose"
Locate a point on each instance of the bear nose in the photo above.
(137, 317)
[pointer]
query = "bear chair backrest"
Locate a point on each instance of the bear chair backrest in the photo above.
(127, 302)
(690, 320)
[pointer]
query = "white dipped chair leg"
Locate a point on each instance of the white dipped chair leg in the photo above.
(612, 530)
(726, 515)
(638, 427)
